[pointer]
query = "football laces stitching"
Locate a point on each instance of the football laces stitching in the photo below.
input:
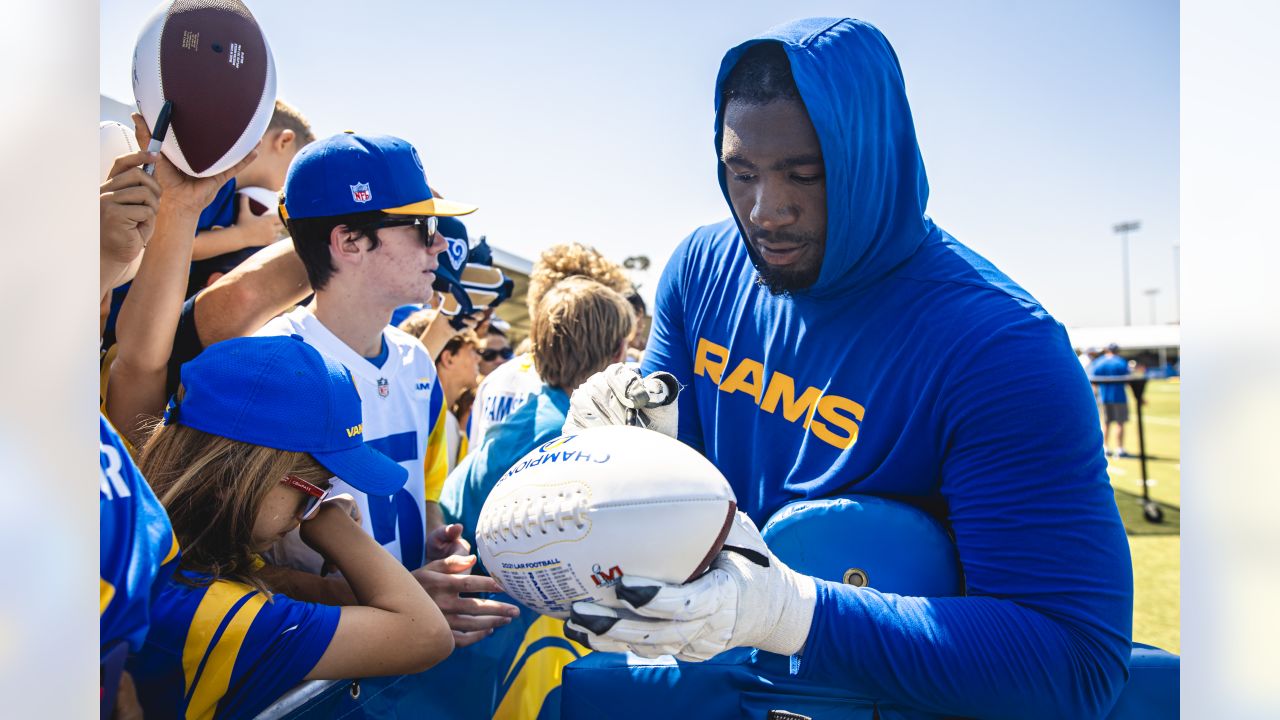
(518, 519)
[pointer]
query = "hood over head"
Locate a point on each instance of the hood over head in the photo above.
(852, 86)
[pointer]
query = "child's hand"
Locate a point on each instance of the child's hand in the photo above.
(258, 230)
(336, 513)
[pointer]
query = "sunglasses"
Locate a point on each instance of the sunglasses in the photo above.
(315, 494)
(426, 226)
(491, 354)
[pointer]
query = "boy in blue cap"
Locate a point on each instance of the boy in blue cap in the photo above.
(252, 447)
(363, 221)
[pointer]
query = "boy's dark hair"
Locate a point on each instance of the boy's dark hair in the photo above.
(311, 241)
(762, 75)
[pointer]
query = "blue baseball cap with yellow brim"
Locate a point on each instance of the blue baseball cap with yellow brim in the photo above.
(350, 173)
(279, 392)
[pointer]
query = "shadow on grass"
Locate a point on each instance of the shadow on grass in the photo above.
(1135, 523)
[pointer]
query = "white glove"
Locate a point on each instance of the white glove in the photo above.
(749, 598)
(618, 395)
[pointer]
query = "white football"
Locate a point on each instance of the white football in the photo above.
(114, 140)
(570, 518)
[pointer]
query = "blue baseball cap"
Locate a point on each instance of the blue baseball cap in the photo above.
(279, 392)
(349, 173)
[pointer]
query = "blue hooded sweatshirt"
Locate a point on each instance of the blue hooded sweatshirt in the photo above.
(914, 369)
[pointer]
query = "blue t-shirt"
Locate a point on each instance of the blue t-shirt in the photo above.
(1114, 366)
(221, 212)
(138, 549)
(911, 369)
(223, 649)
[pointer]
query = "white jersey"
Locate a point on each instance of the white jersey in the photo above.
(403, 407)
(501, 393)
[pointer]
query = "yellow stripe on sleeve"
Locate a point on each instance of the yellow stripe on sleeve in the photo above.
(173, 551)
(436, 465)
(106, 591)
(217, 602)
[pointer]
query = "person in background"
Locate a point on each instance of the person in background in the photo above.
(578, 328)
(235, 479)
(1114, 398)
(505, 389)
(635, 348)
(1087, 356)
(497, 347)
(457, 365)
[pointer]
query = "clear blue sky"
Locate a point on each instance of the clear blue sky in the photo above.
(1042, 124)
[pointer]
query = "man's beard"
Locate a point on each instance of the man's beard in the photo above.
(789, 278)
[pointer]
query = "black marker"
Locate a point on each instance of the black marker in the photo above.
(157, 134)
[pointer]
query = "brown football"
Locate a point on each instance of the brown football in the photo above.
(212, 61)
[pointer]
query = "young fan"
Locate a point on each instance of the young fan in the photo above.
(246, 452)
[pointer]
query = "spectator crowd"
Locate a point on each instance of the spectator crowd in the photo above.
(285, 472)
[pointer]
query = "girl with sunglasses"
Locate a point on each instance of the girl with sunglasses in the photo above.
(245, 453)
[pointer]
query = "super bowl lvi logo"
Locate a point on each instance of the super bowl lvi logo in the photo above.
(605, 578)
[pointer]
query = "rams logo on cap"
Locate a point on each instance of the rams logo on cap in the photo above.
(361, 193)
(458, 251)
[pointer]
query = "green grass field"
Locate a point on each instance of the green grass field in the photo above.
(1155, 547)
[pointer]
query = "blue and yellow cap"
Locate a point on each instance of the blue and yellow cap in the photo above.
(349, 173)
(279, 392)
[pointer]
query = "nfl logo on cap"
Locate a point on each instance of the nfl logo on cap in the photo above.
(360, 193)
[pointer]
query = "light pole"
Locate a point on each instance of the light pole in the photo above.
(1177, 314)
(1151, 293)
(1123, 229)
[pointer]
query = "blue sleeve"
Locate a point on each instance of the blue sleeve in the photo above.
(285, 641)
(138, 548)
(1044, 629)
(221, 211)
(668, 346)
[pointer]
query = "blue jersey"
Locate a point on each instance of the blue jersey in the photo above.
(221, 212)
(912, 368)
(138, 548)
(223, 649)
(1114, 366)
